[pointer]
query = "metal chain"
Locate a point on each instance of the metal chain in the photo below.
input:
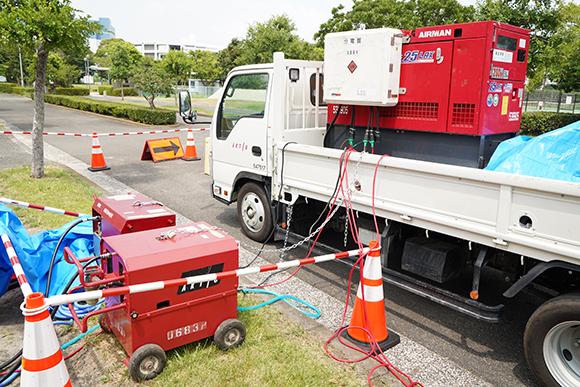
(345, 228)
(300, 243)
(289, 210)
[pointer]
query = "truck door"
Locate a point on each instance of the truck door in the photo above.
(240, 133)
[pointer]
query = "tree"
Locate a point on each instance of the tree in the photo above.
(563, 56)
(152, 81)
(277, 34)
(229, 58)
(43, 26)
(401, 14)
(177, 64)
(122, 65)
(206, 66)
(107, 46)
(10, 63)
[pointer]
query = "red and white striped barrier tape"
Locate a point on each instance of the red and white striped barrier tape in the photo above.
(107, 134)
(42, 208)
(18, 271)
(158, 285)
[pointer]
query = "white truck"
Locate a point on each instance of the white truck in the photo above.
(437, 221)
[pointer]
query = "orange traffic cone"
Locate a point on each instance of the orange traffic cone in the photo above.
(190, 152)
(42, 360)
(97, 159)
(370, 313)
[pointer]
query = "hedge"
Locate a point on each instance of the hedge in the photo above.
(102, 89)
(7, 87)
(134, 113)
(537, 123)
(127, 92)
(72, 91)
(25, 91)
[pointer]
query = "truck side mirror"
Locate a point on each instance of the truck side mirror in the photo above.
(185, 111)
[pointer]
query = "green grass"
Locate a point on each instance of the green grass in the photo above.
(59, 188)
(276, 352)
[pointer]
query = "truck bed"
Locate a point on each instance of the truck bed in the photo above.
(529, 216)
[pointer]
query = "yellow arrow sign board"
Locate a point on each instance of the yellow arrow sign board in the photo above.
(162, 149)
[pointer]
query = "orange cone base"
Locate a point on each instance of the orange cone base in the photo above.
(191, 158)
(98, 169)
(391, 340)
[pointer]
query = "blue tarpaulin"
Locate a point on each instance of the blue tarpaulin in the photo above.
(35, 252)
(553, 155)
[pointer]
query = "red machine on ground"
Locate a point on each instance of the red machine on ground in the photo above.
(136, 248)
(460, 92)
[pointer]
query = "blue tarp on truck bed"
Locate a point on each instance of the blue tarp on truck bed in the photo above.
(553, 155)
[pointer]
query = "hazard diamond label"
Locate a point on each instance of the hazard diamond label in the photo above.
(352, 66)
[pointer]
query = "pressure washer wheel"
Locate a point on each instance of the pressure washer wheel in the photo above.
(104, 323)
(229, 334)
(147, 362)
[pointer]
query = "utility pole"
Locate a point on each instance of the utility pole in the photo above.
(21, 73)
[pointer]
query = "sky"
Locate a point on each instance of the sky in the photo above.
(211, 22)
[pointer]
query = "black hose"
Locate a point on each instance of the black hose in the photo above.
(331, 124)
(7, 363)
(11, 371)
(58, 246)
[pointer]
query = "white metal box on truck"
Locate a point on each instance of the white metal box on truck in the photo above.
(363, 67)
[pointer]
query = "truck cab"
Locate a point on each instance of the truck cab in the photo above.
(249, 122)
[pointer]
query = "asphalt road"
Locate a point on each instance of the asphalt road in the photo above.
(492, 353)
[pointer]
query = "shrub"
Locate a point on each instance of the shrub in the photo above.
(537, 123)
(127, 92)
(135, 113)
(25, 91)
(71, 91)
(7, 87)
(102, 89)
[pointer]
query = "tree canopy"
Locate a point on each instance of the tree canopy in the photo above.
(43, 26)
(401, 14)
(177, 64)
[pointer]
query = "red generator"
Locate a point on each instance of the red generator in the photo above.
(129, 213)
(459, 92)
(149, 323)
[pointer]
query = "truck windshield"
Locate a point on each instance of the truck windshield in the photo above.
(244, 96)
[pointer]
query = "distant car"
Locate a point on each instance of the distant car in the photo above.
(2, 79)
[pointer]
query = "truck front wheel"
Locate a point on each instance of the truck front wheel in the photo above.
(254, 212)
(552, 341)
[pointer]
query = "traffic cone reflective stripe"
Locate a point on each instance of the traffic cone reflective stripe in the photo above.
(97, 158)
(42, 359)
(369, 308)
(190, 152)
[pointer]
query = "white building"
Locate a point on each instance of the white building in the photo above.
(156, 50)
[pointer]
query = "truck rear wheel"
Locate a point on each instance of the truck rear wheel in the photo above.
(552, 341)
(254, 212)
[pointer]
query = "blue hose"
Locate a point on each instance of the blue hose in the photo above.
(284, 298)
(64, 317)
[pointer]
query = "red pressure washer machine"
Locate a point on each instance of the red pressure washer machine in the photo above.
(148, 324)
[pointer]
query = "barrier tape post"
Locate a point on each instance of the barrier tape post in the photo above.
(42, 208)
(18, 271)
(97, 158)
(190, 152)
(42, 359)
(368, 313)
